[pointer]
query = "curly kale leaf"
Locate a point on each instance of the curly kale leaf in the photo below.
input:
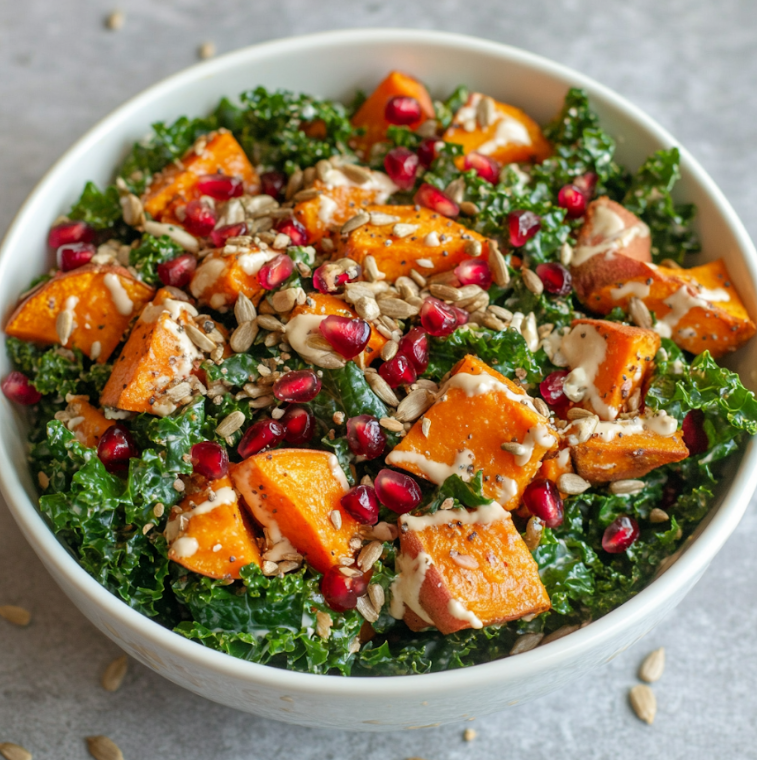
(99, 209)
(150, 252)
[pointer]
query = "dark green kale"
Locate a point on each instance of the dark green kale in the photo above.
(150, 252)
(446, 109)
(99, 209)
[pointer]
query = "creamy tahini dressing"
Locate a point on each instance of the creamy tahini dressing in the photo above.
(436, 472)
(718, 295)
(252, 262)
(183, 547)
(484, 515)
(206, 276)
(536, 436)
(298, 329)
(660, 423)
(680, 303)
(406, 587)
(326, 208)
(458, 610)
(508, 130)
(638, 289)
(475, 385)
(124, 305)
(610, 227)
(379, 182)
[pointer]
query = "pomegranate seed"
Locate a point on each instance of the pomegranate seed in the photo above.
(542, 499)
(199, 219)
(210, 459)
(330, 277)
(299, 424)
(275, 271)
(273, 183)
(555, 278)
(177, 272)
(433, 198)
(586, 183)
(461, 315)
(427, 151)
(340, 592)
(220, 186)
(299, 386)
(116, 448)
(437, 317)
(401, 165)
(414, 346)
(523, 226)
(362, 503)
(74, 255)
(486, 168)
(551, 388)
(220, 235)
(403, 110)
(262, 435)
(694, 434)
(398, 370)
(474, 272)
(397, 491)
(620, 534)
(17, 387)
(70, 232)
(572, 199)
(296, 231)
(348, 337)
(365, 437)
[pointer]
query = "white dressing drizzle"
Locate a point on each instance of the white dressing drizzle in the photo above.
(475, 385)
(298, 329)
(183, 547)
(326, 208)
(124, 305)
(458, 610)
(610, 227)
(206, 276)
(680, 303)
(638, 289)
(436, 472)
(537, 435)
(406, 587)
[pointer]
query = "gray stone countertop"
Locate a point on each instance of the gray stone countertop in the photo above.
(691, 65)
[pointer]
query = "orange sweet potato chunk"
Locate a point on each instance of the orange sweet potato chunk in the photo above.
(212, 538)
(85, 421)
(292, 492)
(157, 356)
(101, 300)
(554, 466)
(512, 136)
(176, 185)
(438, 244)
(370, 115)
(477, 411)
(478, 571)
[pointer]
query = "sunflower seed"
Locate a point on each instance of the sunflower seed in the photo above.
(369, 555)
(384, 531)
(270, 568)
(396, 308)
(389, 350)
(294, 184)
(349, 572)
(243, 336)
(572, 484)
(367, 308)
(566, 254)
(284, 301)
(464, 560)
(418, 278)
(425, 263)
(530, 332)
(376, 595)
(261, 402)
(541, 407)
(414, 405)
(372, 272)
(103, 748)
(653, 666)
(485, 112)
(382, 389)
(12, 751)
(358, 174)
(132, 211)
(644, 703)
(425, 426)
(177, 234)
(230, 424)
(658, 515)
(323, 623)
(380, 220)
(577, 413)
(534, 529)
(531, 281)
(336, 518)
(16, 615)
(627, 487)
(494, 323)
(391, 424)
(497, 264)
(639, 313)
(526, 642)
(114, 22)
(455, 190)
(365, 608)
(360, 219)
(402, 230)
(269, 322)
(559, 633)
(178, 392)
(470, 209)
(64, 325)
(288, 566)
(322, 169)
(202, 341)
(206, 50)
(445, 292)
(114, 674)
(514, 448)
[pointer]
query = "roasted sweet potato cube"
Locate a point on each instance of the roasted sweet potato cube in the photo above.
(158, 356)
(370, 116)
(497, 130)
(477, 411)
(304, 320)
(90, 307)
(552, 467)
(85, 421)
(465, 569)
(292, 493)
(176, 185)
(420, 240)
(621, 452)
(210, 534)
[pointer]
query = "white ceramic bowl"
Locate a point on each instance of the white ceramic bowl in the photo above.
(334, 65)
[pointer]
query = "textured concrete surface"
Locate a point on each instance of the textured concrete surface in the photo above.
(691, 64)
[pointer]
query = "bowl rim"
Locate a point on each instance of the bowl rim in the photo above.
(691, 563)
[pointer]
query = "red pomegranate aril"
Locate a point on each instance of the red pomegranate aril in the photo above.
(177, 272)
(401, 165)
(273, 183)
(348, 337)
(555, 277)
(437, 317)
(523, 225)
(694, 434)
(17, 387)
(433, 198)
(116, 448)
(220, 186)
(398, 370)
(70, 232)
(486, 168)
(461, 315)
(474, 272)
(74, 255)
(297, 387)
(220, 235)
(362, 503)
(262, 435)
(397, 491)
(402, 110)
(620, 534)
(427, 151)
(573, 200)
(330, 278)
(551, 388)
(199, 218)
(414, 346)
(341, 592)
(586, 183)
(210, 459)
(275, 271)
(542, 499)
(365, 437)
(299, 424)
(296, 232)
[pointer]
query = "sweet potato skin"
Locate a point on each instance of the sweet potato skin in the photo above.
(296, 490)
(102, 301)
(86, 422)
(467, 431)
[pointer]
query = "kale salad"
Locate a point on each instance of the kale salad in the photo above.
(382, 388)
